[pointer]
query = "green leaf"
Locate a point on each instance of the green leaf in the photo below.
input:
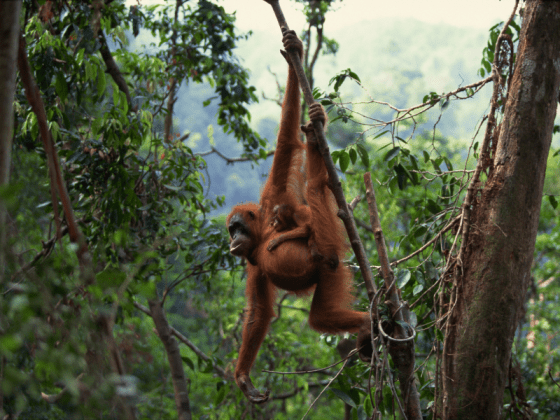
(55, 130)
(404, 172)
(334, 155)
(10, 342)
(420, 231)
(363, 155)
(344, 160)
(317, 93)
(222, 391)
(391, 154)
(34, 126)
(210, 134)
(109, 278)
(61, 87)
(115, 95)
(146, 289)
(368, 408)
(354, 75)
(393, 185)
(403, 277)
(417, 289)
(124, 102)
(414, 162)
(101, 83)
(188, 362)
(353, 155)
(209, 366)
(338, 83)
(96, 126)
(401, 179)
(553, 202)
(380, 134)
(89, 72)
(80, 56)
(433, 207)
(436, 163)
(343, 396)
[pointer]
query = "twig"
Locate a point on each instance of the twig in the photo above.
(230, 160)
(325, 388)
(303, 372)
(553, 381)
(427, 244)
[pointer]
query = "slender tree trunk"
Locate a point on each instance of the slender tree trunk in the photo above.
(9, 39)
(503, 226)
(178, 377)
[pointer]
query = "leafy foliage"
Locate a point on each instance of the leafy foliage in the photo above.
(141, 203)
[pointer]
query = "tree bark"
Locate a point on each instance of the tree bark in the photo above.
(175, 362)
(9, 38)
(503, 227)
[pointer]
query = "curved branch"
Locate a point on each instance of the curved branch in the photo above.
(113, 69)
(231, 160)
(57, 181)
(186, 341)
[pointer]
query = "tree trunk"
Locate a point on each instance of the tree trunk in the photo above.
(503, 227)
(9, 41)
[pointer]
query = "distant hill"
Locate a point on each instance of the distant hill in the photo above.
(398, 61)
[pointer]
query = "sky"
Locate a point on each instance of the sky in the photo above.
(258, 15)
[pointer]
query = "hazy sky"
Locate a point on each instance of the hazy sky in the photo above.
(256, 14)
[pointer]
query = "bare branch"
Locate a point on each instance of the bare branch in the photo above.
(186, 341)
(175, 362)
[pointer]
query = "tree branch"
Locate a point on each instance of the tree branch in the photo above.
(186, 341)
(113, 69)
(57, 181)
(175, 362)
(401, 348)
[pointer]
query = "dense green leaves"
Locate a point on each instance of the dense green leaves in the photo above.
(139, 198)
